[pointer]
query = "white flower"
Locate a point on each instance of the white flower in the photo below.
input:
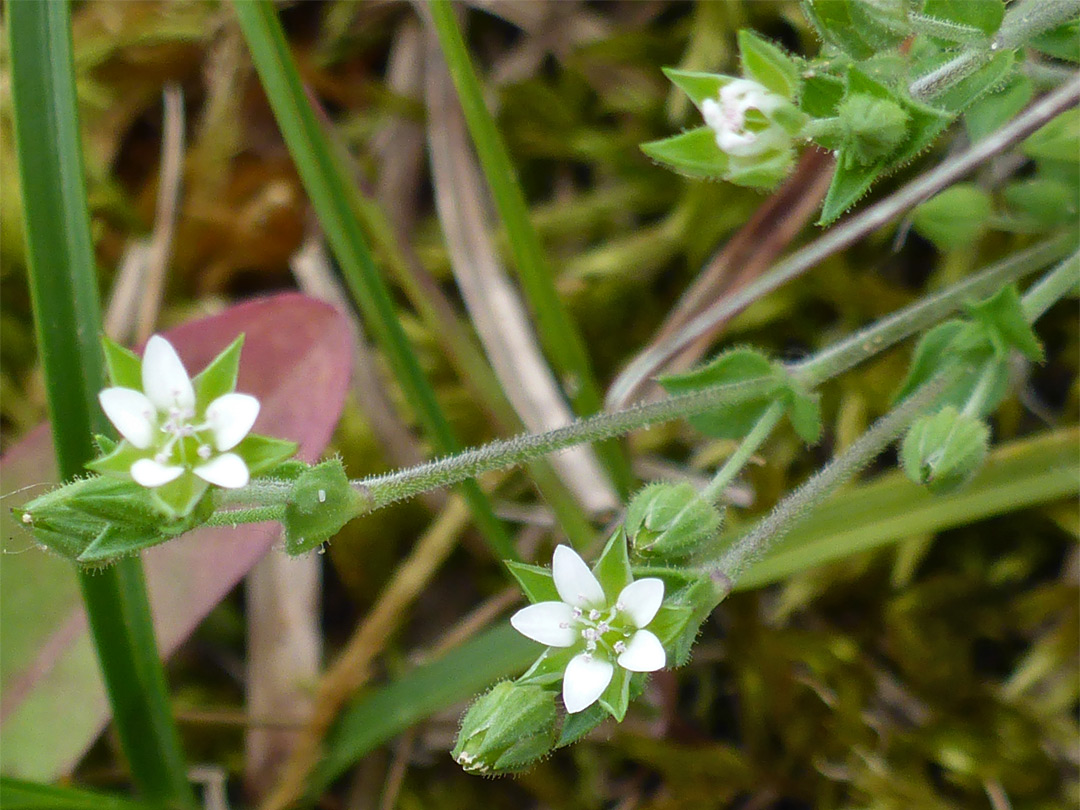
(609, 632)
(162, 420)
(727, 118)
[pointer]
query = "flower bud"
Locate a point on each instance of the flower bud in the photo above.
(670, 521)
(945, 449)
(507, 729)
(874, 127)
(321, 502)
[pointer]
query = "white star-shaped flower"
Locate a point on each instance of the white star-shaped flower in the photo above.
(163, 420)
(609, 632)
(727, 117)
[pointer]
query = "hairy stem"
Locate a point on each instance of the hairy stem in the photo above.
(749, 445)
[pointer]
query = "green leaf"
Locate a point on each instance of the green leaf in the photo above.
(123, 365)
(821, 94)
(962, 94)
(768, 65)
(858, 28)
(263, 453)
(955, 218)
(732, 366)
(612, 569)
(997, 107)
(849, 184)
(698, 86)
(536, 582)
(1057, 140)
(579, 724)
(982, 15)
(931, 355)
(1062, 42)
(219, 377)
(1002, 318)
(19, 794)
(693, 153)
(1045, 202)
(804, 412)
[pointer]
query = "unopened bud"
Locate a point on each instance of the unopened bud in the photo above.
(945, 449)
(874, 127)
(321, 502)
(507, 729)
(670, 521)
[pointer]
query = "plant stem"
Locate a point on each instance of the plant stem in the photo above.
(796, 505)
(851, 230)
(67, 319)
(854, 349)
(1051, 288)
(749, 445)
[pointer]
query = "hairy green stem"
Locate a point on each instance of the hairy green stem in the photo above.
(749, 445)
(1051, 288)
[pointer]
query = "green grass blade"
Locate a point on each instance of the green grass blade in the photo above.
(558, 334)
(459, 675)
(63, 283)
(325, 183)
(891, 508)
(19, 794)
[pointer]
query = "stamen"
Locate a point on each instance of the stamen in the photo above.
(204, 451)
(594, 615)
(620, 647)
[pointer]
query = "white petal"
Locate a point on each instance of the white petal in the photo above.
(550, 623)
(150, 473)
(164, 379)
(131, 412)
(230, 417)
(584, 681)
(574, 581)
(641, 599)
(228, 470)
(644, 653)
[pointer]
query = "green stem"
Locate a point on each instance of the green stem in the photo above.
(67, 318)
(987, 381)
(799, 503)
(257, 514)
(1051, 288)
(325, 183)
(749, 445)
(558, 333)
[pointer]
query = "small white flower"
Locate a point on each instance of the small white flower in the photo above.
(162, 419)
(727, 117)
(609, 632)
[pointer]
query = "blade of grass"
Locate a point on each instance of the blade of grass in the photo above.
(559, 335)
(19, 794)
(325, 183)
(67, 317)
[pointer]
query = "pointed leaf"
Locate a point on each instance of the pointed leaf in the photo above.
(693, 153)
(616, 698)
(261, 453)
(698, 86)
(535, 582)
(768, 65)
(219, 377)
(612, 569)
(123, 365)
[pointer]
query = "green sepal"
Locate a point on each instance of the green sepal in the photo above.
(114, 543)
(123, 365)
(697, 85)
(262, 453)
(955, 218)
(931, 356)
(536, 582)
(549, 667)
(763, 172)
(612, 569)
(118, 460)
(734, 421)
(180, 497)
(699, 599)
(104, 444)
(219, 377)
(693, 153)
(943, 451)
(616, 698)
(669, 522)
(998, 107)
(320, 503)
(1002, 318)
(821, 94)
(507, 729)
(873, 128)
(768, 65)
(983, 16)
(859, 29)
(577, 725)
(670, 622)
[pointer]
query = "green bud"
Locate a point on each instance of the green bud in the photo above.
(944, 450)
(873, 127)
(507, 729)
(670, 521)
(321, 502)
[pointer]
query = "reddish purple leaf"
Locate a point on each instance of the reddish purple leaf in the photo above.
(296, 360)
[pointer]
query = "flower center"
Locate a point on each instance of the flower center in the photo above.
(602, 631)
(183, 441)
